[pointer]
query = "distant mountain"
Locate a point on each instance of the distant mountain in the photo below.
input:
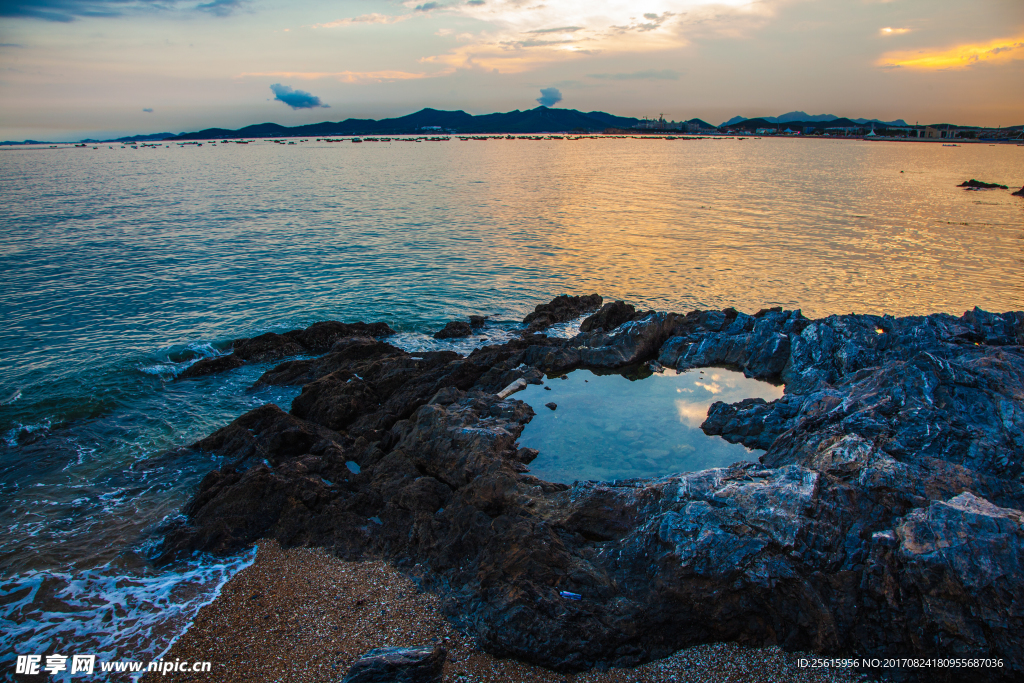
(145, 138)
(898, 122)
(798, 126)
(803, 116)
(152, 137)
(808, 119)
(704, 125)
(539, 120)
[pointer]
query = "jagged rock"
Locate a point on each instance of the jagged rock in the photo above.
(982, 185)
(398, 665)
(317, 338)
(1018, 193)
(561, 309)
(885, 516)
(453, 329)
(632, 342)
(552, 405)
(477, 321)
(609, 317)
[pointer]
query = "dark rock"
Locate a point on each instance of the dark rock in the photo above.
(552, 405)
(398, 665)
(454, 328)
(632, 342)
(1019, 193)
(609, 317)
(317, 338)
(982, 185)
(347, 354)
(885, 516)
(477, 321)
(208, 366)
(561, 309)
(320, 337)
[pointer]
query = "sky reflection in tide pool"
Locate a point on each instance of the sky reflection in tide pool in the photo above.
(608, 427)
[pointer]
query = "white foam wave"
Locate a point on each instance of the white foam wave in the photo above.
(114, 614)
(417, 342)
(11, 437)
(566, 330)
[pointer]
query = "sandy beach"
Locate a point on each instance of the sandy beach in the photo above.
(304, 615)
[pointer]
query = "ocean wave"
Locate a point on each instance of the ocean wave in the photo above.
(418, 342)
(567, 330)
(22, 432)
(171, 361)
(12, 398)
(108, 612)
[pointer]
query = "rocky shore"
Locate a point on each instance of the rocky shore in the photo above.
(884, 520)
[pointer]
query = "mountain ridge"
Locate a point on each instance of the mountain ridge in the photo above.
(539, 120)
(804, 117)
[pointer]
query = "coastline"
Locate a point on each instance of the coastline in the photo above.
(887, 503)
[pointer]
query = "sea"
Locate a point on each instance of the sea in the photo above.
(120, 265)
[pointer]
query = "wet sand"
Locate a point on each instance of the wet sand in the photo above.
(302, 615)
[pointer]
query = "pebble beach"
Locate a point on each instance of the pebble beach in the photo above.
(302, 615)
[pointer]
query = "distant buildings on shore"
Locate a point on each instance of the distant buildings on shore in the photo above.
(692, 126)
(839, 127)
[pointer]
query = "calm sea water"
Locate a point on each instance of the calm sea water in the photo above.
(120, 266)
(605, 427)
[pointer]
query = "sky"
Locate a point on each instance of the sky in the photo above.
(71, 69)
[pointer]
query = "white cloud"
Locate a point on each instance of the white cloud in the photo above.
(690, 413)
(373, 18)
(517, 35)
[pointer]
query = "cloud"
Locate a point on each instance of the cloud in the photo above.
(654, 22)
(148, 110)
(649, 74)
(70, 10)
(220, 8)
(507, 34)
(428, 7)
(996, 51)
(349, 76)
(373, 18)
(563, 29)
(476, 3)
(890, 31)
(296, 99)
(549, 97)
(691, 413)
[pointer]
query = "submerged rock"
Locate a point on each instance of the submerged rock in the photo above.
(1019, 193)
(982, 185)
(885, 516)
